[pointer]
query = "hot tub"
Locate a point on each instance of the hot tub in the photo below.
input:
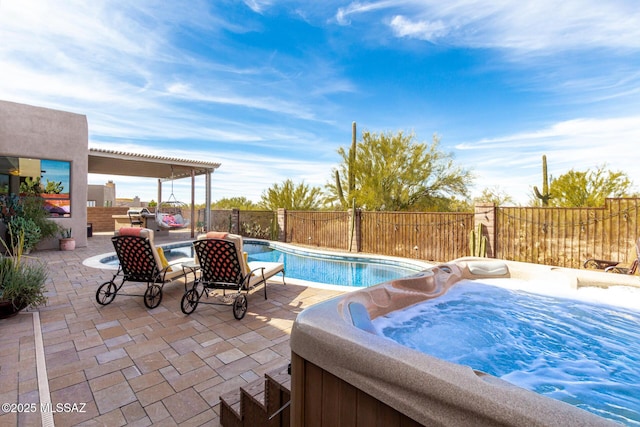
(344, 373)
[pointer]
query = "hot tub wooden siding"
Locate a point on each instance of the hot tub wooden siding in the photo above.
(320, 399)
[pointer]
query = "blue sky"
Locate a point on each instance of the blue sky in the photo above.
(270, 88)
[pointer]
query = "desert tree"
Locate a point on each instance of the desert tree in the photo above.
(589, 188)
(394, 172)
(291, 196)
(241, 203)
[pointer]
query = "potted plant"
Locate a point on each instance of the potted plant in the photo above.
(67, 243)
(22, 280)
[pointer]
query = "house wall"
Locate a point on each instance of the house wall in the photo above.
(28, 131)
(102, 195)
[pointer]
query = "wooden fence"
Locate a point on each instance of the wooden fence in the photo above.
(566, 237)
(318, 228)
(431, 236)
(563, 237)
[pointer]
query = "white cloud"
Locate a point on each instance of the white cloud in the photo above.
(258, 6)
(355, 8)
(424, 30)
(223, 96)
(513, 162)
(543, 26)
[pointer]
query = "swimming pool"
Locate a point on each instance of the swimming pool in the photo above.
(573, 350)
(336, 345)
(314, 267)
(331, 268)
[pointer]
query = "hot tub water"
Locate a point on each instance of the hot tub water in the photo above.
(583, 353)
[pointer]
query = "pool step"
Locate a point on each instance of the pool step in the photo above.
(256, 402)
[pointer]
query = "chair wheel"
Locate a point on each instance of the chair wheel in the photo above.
(153, 296)
(106, 293)
(189, 301)
(240, 306)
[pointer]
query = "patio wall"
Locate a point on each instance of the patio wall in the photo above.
(101, 218)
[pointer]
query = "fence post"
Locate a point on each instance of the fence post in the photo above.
(354, 230)
(485, 214)
(358, 230)
(235, 221)
(281, 221)
(351, 230)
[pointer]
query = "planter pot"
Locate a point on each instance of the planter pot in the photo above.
(67, 244)
(8, 310)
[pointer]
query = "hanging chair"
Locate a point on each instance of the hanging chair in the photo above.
(169, 214)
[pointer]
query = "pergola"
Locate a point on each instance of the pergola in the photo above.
(163, 168)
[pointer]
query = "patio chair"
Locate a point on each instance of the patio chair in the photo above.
(616, 266)
(223, 267)
(140, 261)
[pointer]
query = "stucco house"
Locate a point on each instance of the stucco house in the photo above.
(52, 145)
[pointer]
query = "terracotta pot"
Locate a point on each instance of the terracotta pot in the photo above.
(67, 244)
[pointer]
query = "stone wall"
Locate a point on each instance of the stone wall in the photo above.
(101, 218)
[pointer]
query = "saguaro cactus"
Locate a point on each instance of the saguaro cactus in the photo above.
(352, 160)
(351, 173)
(545, 196)
(478, 243)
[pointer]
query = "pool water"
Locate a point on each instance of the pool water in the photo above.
(328, 270)
(331, 270)
(579, 352)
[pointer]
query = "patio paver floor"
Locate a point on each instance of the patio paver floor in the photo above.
(123, 364)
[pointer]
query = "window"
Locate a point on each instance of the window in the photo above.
(51, 179)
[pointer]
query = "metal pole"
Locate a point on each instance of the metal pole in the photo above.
(193, 203)
(207, 203)
(159, 196)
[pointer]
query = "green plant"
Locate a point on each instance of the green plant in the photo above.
(27, 213)
(351, 184)
(22, 279)
(545, 196)
(10, 206)
(65, 233)
(33, 208)
(478, 243)
(255, 230)
(24, 232)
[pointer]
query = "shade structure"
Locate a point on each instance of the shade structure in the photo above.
(111, 162)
